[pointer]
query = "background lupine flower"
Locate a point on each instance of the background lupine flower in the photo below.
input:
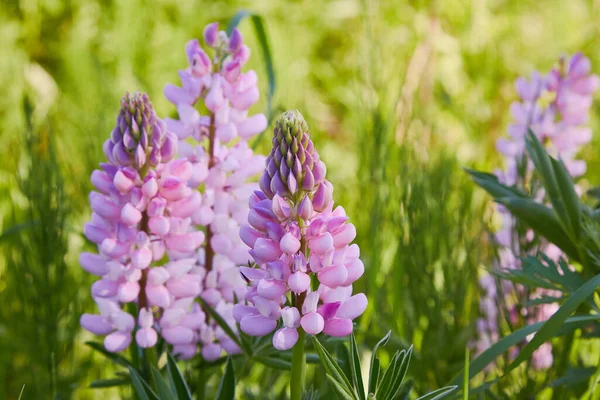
(297, 237)
(556, 108)
(141, 211)
(221, 163)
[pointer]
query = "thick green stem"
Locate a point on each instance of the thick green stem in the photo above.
(298, 368)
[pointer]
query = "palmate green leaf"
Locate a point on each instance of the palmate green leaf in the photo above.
(374, 367)
(333, 369)
(543, 221)
(224, 325)
(439, 393)
(140, 387)
(518, 336)
(355, 366)
(176, 379)
(556, 321)
(226, 389)
(338, 389)
(114, 357)
(391, 383)
(161, 385)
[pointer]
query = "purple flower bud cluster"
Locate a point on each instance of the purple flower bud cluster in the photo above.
(555, 108)
(215, 144)
(142, 210)
(302, 247)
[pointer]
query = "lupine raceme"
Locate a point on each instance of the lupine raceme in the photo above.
(555, 108)
(214, 142)
(141, 212)
(301, 245)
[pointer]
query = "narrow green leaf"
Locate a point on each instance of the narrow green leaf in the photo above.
(332, 368)
(116, 358)
(466, 375)
(543, 221)
(543, 166)
(439, 393)
(105, 383)
(556, 321)
(569, 196)
(141, 388)
(161, 385)
(492, 185)
(226, 389)
(355, 366)
(374, 367)
(223, 324)
(400, 374)
(274, 362)
(176, 379)
(338, 389)
(386, 380)
(518, 336)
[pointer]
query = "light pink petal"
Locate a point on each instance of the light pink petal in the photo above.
(353, 307)
(285, 338)
(95, 324)
(312, 323)
(117, 341)
(338, 327)
(146, 337)
(257, 325)
(178, 335)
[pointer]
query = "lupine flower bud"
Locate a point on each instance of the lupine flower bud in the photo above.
(295, 233)
(293, 166)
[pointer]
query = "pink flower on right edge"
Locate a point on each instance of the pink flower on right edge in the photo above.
(302, 247)
(556, 109)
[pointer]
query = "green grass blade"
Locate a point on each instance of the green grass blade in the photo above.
(116, 358)
(105, 383)
(556, 321)
(176, 379)
(374, 367)
(501, 346)
(355, 367)
(439, 393)
(226, 389)
(161, 385)
(332, 368)
(338, 389)
(141, 388)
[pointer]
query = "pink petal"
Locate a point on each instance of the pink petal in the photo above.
(299, 282)
(146, 337)
(353, 307)
(271, 289)
(338, 327)
(321, 244)
(257, 325)
(312, 323)
(158, 295)
(95, 324)
(333, 276)
(93, 263)
(117, 341)
(128, 292)
(289, 244)
(178, 335)
(285, 338)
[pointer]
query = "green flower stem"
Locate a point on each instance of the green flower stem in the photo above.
(298, 368)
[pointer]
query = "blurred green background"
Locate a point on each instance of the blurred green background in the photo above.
(398, 94)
